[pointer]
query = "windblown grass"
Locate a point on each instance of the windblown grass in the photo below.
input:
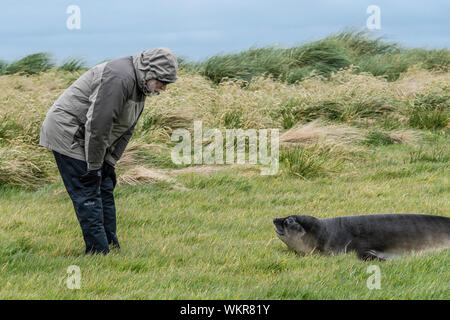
(316, 132)
(291, 65)
(31, 64)
(40, 62)
(3, 65)
(25, 166)
(379, 137)
(362, 43)
(431, 110)
(142, 175)
(430, 155)
(309, 161)
(349, 105)
(323, 57)
(335, 103)
(72, 64)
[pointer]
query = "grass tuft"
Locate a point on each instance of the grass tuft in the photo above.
(31, 64)
(72, 64)
(434, 155)
(379, 138)
(430, 111)
(3, 66)
(308, 162)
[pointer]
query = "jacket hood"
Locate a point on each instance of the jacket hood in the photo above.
(159, 63)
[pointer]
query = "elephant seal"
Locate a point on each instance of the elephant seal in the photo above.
(375, 236)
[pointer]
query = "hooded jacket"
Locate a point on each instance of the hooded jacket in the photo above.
(94, 119)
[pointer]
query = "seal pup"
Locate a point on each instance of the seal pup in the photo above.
(374, 236)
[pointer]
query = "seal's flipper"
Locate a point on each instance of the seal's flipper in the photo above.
(367, 255)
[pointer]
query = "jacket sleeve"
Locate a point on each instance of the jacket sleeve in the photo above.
(107, 103)
(119, 146)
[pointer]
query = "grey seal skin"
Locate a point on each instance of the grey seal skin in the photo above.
(375, 236)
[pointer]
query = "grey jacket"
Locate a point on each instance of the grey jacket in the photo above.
(94, 118)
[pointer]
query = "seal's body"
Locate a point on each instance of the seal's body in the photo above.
(379, 236)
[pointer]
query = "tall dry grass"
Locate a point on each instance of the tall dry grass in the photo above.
(358, 101)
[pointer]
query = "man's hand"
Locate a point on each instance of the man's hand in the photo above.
(91, 178)
(108, 171)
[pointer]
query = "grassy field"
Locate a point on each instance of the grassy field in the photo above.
(351, 143)
(217, 240)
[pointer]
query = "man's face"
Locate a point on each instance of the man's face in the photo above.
(155, 86)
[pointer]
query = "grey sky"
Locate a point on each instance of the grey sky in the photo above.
(200, 28)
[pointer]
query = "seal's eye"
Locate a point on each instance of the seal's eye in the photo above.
(290, 221)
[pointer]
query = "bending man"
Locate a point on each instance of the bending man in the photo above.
(88, 128)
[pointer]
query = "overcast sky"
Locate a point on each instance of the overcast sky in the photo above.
(197, 29)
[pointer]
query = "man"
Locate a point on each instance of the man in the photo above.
(88, 128)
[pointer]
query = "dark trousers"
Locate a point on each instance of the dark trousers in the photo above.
(93, 204)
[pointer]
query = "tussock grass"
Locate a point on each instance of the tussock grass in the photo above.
(431, 110)
(40, 62)
(411, 137)
(25, 166)
(142, 153)
(3, 65)
(323, 57)
(378, 137)
(389, 66)
(9, 127)
(291, 65)
(72, 64)
(330, 107)
(316, 132)
(433, 155)
(362, 43)
(309, 161)
(359, 102)
(31, 64)
(141, 175)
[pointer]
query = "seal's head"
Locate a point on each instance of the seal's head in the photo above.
(288, 227)
(298, 232)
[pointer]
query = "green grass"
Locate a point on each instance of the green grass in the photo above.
(308, 162)
(31, 64)
(323, 57)
(378, 138)
(430, 111)
(216, 240)
(390, 66)
(9, 127)
(433, 155)
(291, 65)
(363, 43)
(72, 64)
(39, 62)
(3, 65)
